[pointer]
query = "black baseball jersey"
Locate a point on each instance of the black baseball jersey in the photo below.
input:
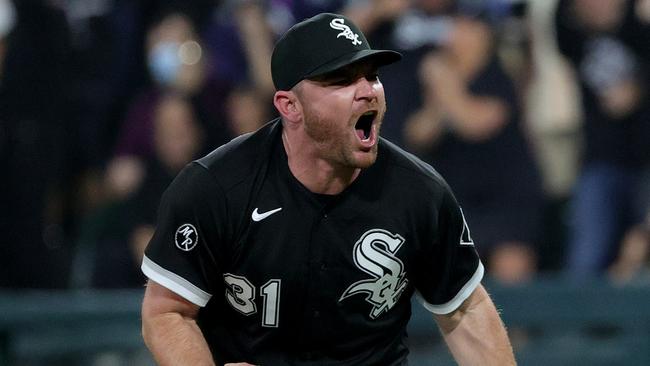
(288, 277)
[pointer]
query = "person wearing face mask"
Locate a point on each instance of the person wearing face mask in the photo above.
(174, 55)
(177, 64)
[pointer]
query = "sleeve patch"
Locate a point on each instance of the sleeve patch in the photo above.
(186, 237)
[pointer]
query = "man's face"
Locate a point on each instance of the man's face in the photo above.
(343, 111)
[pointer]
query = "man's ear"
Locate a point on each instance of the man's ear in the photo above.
(288, 105)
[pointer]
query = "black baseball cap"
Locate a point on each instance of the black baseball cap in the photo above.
(318, 45)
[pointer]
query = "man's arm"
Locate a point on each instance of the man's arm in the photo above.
(475, 334)
(169, 328)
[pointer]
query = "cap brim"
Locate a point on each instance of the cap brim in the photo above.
(379, 57)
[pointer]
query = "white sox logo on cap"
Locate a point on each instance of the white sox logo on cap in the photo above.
(338, 24)
(186, 237)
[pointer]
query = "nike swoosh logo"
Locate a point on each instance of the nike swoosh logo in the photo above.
(256, 216)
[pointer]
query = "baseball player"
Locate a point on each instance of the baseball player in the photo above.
(303, 242)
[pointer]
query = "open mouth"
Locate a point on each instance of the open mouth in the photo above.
(364, 125)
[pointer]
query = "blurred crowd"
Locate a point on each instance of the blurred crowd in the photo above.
(536, 112)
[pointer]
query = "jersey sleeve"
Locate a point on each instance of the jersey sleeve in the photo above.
(450, 269)
(181, 256)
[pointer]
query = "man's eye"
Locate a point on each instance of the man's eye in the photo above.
(337, 81)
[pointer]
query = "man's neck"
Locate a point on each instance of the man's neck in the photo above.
(315, 173)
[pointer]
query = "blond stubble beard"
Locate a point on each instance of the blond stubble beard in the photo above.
(321, 133)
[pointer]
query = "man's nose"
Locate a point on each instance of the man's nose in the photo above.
(366, 89)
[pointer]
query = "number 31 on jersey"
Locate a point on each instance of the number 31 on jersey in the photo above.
(241, 296)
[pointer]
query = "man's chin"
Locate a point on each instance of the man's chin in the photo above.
(364, 159)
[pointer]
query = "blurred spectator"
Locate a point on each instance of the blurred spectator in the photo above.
(465, 121)
(177, 64)
(607, 43)
(105, 42)
(241, 34)
(114, 236)
(552, 114)
(33, 123)
(469, 127)
(178, 140)
(227, 48)
(106, 39)
(246, 109)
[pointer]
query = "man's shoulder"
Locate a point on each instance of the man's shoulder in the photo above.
(406, 166)
(232, 162)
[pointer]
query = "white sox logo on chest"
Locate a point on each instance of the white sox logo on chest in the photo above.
(374, 253)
